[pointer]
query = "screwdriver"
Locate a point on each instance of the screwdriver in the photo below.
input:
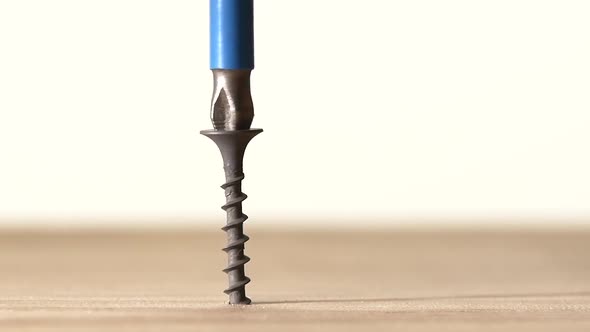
(231, 61)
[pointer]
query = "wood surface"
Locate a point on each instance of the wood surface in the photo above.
(385, 280)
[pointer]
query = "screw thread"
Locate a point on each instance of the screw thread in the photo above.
(235, 238)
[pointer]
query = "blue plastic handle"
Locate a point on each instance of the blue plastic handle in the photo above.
(231, 34)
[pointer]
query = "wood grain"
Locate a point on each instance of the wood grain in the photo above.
(171, 280)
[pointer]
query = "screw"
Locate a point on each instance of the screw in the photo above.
(232, 145)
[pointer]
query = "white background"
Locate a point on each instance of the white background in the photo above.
(372, 110)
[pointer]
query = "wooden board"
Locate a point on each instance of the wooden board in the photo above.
(446, 280)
